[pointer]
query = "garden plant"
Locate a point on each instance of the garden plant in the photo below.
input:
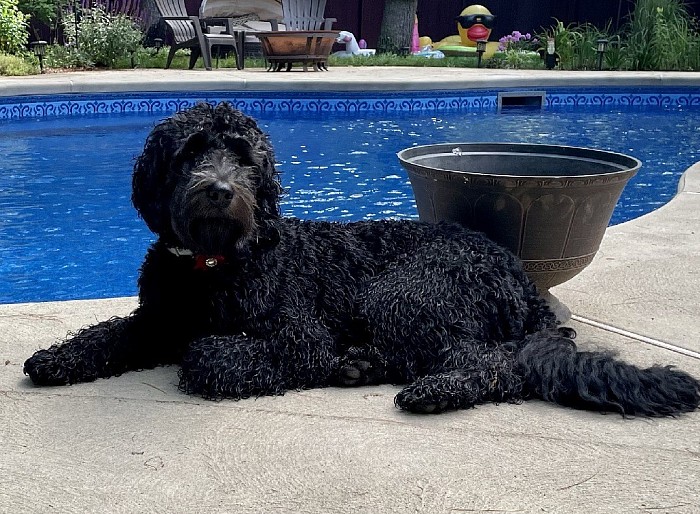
(13, 28)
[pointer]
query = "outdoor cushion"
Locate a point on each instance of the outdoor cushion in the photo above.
(265, 9)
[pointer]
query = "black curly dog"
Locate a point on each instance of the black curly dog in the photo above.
(250, 303)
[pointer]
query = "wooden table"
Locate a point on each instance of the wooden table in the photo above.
(286, 47)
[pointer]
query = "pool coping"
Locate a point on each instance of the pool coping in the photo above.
(134, 443)
(337, 79)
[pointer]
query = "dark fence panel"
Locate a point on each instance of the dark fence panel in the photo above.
(135, 8)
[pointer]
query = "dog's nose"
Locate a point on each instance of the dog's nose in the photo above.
(220, 195)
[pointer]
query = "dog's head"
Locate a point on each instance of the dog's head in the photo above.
(206, 180)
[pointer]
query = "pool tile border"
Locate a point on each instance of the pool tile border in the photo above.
(40, 106)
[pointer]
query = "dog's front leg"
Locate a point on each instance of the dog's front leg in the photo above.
(230, 367)
(297, 354)
(103, 350)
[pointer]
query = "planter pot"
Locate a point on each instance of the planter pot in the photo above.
(548, 204)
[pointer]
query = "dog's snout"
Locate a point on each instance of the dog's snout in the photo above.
(220, 195)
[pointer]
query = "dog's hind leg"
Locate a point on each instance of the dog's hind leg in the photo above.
(488, 378)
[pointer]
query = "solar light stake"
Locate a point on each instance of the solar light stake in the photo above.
(602, 46)
(158, 44)
(550, 56)
(480, 49)
(39, 49)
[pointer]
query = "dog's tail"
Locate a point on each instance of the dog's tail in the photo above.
(555, 371)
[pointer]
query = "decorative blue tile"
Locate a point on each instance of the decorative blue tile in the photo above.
(688, 100)
(360, 102)
(601, 100)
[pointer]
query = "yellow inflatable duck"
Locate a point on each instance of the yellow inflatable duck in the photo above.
(473, 23)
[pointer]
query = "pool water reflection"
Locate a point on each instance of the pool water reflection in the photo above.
(68, 229)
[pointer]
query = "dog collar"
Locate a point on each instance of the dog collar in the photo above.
(201, 262)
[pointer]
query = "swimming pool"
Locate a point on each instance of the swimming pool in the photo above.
(68, 230)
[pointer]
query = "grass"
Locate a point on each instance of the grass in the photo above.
(397, 60)
(149, 59)
(144, 58)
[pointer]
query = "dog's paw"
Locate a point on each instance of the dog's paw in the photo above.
(361, 366)
(567, 332)
(355, 373)
(45, 370)
(417, 398)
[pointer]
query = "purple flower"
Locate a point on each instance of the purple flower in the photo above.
(517, 41)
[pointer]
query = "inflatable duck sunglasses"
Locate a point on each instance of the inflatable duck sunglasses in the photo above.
(469, 20)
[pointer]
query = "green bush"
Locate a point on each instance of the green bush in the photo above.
(616, 54)
(585, 49)
(576, 44)
(13, 27)
(58, 56)
(105, 38)
(16, 65)
(662, 35)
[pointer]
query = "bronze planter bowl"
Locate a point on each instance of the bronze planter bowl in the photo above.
(548, 204)
(286, 47)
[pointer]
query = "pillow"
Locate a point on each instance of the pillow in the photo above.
(265, 9)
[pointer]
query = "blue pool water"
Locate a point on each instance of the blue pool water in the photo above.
(68, 230)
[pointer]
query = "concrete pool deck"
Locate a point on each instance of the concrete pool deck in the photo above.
(337, 79)
(135, 444)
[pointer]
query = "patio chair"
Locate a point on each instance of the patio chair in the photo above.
(305, 15)
(249, 17)
(276, 14)
(198, 34)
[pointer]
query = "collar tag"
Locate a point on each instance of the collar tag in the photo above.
(201, 262)
(205, 262)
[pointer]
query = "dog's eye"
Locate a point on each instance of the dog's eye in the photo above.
(185, 167)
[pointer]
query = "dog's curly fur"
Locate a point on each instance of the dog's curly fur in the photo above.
(250, 303)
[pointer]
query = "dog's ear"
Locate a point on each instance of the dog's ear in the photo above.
(241, 148)
(150, 170)
(151, 187)
(197, 143)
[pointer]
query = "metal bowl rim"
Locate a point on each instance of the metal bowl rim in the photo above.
(514, 146)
